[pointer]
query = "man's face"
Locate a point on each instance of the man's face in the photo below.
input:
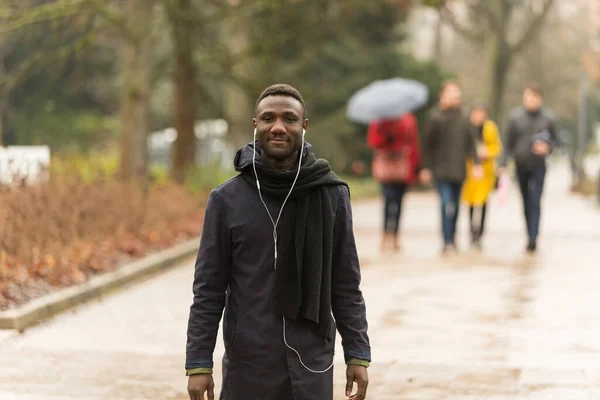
(279, 123)
(478, 116)
(531, 100)
(451, 97)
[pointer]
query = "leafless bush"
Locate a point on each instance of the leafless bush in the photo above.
(63, 231)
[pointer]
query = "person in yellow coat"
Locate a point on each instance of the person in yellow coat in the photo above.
(477, 190)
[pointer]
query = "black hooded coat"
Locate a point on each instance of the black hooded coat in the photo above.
(235, 272)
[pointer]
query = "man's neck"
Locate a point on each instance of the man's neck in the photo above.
(287, 164)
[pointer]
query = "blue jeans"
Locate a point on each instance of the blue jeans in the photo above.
(450, 200)
(531, 183)
(393, 195)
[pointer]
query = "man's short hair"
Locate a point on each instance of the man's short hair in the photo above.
(282, 89)
(535, 88)
(449, 82)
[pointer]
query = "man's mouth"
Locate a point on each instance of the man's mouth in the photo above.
(278, 140)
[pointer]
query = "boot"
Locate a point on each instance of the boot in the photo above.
(476, 241)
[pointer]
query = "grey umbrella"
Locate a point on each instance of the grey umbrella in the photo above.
(389, 98)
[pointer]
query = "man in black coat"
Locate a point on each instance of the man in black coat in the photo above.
(531, 135)
(278, 255)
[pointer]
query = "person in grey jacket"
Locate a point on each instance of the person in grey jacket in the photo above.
(278, 254)
(531, 135)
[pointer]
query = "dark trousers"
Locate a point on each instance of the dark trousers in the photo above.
(477, 221)
(450, 201)
(393, 195)
(531, 183)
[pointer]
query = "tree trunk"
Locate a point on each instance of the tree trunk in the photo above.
(238, 105)
(184, 81)
(438, 40)
(3, 97)
(497, 63)
(1, 124)
(136, 93)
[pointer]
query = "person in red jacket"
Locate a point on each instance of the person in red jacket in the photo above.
(396, 163)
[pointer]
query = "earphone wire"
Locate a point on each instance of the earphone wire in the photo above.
(275, 224)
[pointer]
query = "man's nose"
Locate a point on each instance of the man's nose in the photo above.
(278, 127)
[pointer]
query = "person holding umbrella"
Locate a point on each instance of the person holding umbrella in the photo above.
(387, 106)
(395, 165)
(476, 191)
(448, 141)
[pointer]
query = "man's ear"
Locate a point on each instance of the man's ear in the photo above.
(254, 123)
(305, 124)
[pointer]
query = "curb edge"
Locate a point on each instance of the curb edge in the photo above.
(50, 305)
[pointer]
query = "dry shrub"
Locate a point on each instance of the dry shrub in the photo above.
(62, 232)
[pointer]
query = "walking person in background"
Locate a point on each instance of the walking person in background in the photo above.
(476, 191)
(448, 140)
(395, 166)
(531, 135)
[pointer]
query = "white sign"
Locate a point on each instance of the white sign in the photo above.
(24, 164)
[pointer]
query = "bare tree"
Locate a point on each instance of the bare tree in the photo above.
(136, 91)
(184, 87)
(492, 25)
(237, 100)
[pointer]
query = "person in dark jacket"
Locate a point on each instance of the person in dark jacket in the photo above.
(531, 135)
(278, 254)
(448, 141)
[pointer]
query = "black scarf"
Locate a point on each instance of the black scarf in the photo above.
(302, 287)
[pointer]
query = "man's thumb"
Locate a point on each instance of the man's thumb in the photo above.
(349, 383)
(211, 391)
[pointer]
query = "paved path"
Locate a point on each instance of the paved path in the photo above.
(495, 325)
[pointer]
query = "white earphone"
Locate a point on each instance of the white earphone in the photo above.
(275, 224)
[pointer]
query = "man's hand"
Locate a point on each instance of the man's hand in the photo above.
(358, 374)
(540, 148)
(425, 176)
(199, 384)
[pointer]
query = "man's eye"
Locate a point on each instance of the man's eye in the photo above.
(291, 119)
(267, 119)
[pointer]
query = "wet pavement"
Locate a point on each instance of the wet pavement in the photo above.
(492, 325)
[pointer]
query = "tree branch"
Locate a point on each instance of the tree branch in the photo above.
(534, 27)
(42, 58)
(46, 12)
(448, 15)
(483, 7)
(113, 16)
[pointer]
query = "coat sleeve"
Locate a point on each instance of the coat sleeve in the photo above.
(493, 142)
(416, 142)
(430, 129)
(348, 304)
(471, 142)
(374, 139)
(209, 287)
(556, 140)
(510, 141)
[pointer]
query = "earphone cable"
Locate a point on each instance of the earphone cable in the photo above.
(275, 224)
